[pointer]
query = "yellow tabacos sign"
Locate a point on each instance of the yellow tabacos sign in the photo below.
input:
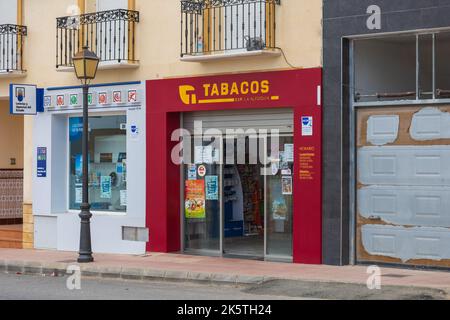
(224, 92)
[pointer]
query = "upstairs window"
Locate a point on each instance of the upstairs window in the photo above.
(106, 5)
(218, 26)
(108, 29)
(8, 9)
(11, 38)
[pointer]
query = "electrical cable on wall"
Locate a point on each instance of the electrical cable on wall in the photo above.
(285, 58)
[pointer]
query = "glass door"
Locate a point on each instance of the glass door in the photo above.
(279, 197)
(239, 206)
(243, 198)
(202, 209)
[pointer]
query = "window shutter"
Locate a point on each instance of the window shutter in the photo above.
(8, 9)
(104, 5)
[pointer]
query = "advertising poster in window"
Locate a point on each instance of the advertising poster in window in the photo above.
(123, 198)
(192, 172)
(105, 184)
(76, 129)
(212, 188)
(289, 152)
(195, 199)
(78, 193)
(279, 209)
(286, 185)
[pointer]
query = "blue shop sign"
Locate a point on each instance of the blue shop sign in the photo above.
(41, 162)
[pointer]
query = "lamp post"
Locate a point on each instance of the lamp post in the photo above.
(86, 64)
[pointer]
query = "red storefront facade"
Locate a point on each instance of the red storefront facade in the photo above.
(167, 100)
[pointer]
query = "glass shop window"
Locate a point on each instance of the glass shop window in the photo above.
(443, 65)
(385, 68)
(107, 163)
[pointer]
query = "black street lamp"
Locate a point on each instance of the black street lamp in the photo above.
(86, 64)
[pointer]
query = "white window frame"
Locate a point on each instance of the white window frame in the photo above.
(78, 115)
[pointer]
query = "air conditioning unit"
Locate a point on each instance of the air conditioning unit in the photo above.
(254, 44)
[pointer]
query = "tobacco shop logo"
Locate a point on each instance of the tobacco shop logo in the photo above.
(187, 94)
(227, 92)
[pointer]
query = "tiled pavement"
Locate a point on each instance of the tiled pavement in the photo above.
(197, 268)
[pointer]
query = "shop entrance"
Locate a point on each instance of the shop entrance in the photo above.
(13, 229)
(238, 194)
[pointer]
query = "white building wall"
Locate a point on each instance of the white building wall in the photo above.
(58, 228)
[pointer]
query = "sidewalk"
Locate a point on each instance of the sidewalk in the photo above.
(208, 269)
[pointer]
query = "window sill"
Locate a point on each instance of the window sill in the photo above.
(231, 55)
(12, 74)
(101, 213)
(106, 65)
(77, 212)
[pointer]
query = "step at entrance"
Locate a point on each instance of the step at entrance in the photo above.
(11, 237)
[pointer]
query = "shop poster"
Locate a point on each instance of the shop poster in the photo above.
(279, 209)
(284, 166)
(79, 194)
(286, 185)
(208, 155)
(192, 172)
(198, 154)
(105, 187)
(123, 198)
(212, 188)
(194, 203)
(288, 153)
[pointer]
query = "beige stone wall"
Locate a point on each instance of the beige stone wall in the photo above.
(299, 34)
(28, 226)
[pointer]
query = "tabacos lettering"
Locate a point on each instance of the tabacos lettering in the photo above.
(236, 89)
(224, 92)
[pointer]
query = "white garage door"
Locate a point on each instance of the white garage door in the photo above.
(403, 196)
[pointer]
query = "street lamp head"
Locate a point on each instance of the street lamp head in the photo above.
(86, 64)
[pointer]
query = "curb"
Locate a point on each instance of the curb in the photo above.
(140, 274)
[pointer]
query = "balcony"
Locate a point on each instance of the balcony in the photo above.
(218, 29)
(110, 34)
(11, 50)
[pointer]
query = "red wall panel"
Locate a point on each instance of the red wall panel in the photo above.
(166, 99)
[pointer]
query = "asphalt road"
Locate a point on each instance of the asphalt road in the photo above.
(24, 287)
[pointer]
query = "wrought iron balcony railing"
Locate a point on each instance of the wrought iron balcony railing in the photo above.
(11, 47)
(110, 34)
(211, 26)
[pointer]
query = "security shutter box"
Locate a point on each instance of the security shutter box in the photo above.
(270, 119)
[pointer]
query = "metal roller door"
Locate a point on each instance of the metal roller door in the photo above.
(281, 119)
(403, 186)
